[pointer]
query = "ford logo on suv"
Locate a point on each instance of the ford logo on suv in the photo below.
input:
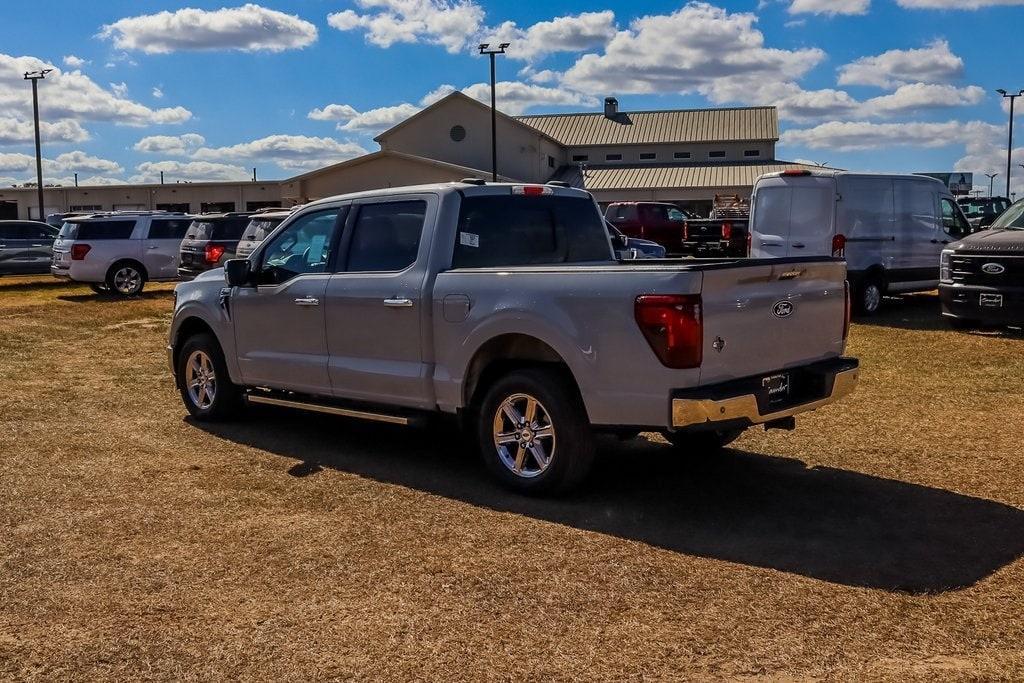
(783, 309)
(994, 268)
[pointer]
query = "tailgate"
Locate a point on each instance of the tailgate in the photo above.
(771, 315)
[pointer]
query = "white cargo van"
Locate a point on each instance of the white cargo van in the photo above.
(890, 228)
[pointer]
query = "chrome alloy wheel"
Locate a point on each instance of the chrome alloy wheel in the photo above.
(872, 297)
(127, 280)
(524, 436)
(200, 380)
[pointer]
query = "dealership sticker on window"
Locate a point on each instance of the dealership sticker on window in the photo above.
(468, 239)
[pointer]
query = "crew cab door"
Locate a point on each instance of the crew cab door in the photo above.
(375, 306)
(279, 323)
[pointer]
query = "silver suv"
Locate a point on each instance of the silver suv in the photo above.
(117, 253)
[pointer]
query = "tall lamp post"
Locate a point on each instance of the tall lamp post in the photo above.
(35, 77)
(486, 49)
(991, 179)
(1009, 145)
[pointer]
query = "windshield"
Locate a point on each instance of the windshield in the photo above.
(1012, 218)
(258, 230)
(68, 231)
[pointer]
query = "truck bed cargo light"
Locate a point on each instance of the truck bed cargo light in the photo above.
(531, 190)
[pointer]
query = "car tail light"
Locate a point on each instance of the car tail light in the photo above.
(78, 251)
(839, 246)
(673, 326)
(213, 252)
(727, 231)
(686, 230)
(532, 190)
(846, 310)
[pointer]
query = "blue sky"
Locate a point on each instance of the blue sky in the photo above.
(879, 85)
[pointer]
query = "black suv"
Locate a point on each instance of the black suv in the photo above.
(982, 211)
(210, 240)
(981, 279)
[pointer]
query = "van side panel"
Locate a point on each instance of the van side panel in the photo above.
(865, 216)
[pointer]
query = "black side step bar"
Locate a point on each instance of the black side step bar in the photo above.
(328, 409)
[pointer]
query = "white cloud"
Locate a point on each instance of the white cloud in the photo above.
(333, 112)
(119, 89)
(158, 93)
(249, 27)
(287, 151)
(830, 7)
(514, 97)
(73, 95)
(919, 96)
(69, 162)
(74, 62)
(847, 136)
(452, 24)
(174, 171)
(16, 131)
(956, 4)
(379, 119)
(85, 181)
(935, 63)
(573, 33)
(686, 52)
(178, 145)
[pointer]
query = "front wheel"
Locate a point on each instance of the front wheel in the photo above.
(869, 296)
(202, 377)
(533, 433)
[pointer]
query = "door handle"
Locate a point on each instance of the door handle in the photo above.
(38, 245)
(398, 302)
(307, 301)
(152, 246)
(799, 246)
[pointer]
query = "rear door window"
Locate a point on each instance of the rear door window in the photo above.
(386, 237)
(10, 231)
(512, 230)
(168, 229)
(772, 210)
(104, 230)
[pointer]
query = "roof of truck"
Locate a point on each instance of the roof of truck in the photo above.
(464, 186)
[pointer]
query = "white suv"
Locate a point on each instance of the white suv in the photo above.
(118, 253)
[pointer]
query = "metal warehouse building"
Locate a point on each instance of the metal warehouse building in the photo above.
(680, 156)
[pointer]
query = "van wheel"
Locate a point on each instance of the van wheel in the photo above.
(203, 381)
(702, 443)
(869, 296)
(125, 279)
(533, 433)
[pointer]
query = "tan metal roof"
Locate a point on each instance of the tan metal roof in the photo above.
(654, 127)
(676, 177)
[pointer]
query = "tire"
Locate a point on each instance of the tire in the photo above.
(201, 371)
(559, 449)
(869, 296)
(126, 278)
(99, 288)
(702, 443)
(964, 323)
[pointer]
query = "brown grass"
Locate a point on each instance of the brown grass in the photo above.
(881, 539)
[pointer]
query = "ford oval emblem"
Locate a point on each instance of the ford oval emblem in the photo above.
(783, 309)
(994, 268)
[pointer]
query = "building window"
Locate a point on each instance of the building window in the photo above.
(647, 156)
(681, 155)
(551, 162)
(752, 153)
(580, 157)
(86, 207)
(613, 157)
(457, 133)
(716, 155)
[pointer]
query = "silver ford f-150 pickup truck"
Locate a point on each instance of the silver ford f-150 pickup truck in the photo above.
(503, 304)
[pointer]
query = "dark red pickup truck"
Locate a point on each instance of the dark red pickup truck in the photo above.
(656, 221)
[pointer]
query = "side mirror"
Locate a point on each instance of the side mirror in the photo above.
(620, 241)
(237, 272)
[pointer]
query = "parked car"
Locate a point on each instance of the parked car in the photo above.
(630, 248)
(503, 305)
(724, 233)
(26, 247)
(982, 211)
(889, 228)
(117, 253)
(655, 221)
(261, 224)
(982, 275)
(210, 241)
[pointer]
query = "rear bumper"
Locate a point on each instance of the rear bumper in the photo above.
(745, 402)
(964, 302)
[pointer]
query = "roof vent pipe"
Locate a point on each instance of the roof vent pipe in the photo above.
(611, 107)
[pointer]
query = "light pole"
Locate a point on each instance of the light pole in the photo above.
(1009, 145)
(991, 179)
(35, 77)
(486, 49)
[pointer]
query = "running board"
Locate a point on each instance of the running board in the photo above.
(329, 410)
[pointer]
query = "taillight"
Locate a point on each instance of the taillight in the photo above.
(686, 230)
(78, 251)
(846, 310)
(726, 231)
(839, 246)
(674, 327)
(213, 252)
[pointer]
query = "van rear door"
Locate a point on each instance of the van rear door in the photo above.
(793, 216)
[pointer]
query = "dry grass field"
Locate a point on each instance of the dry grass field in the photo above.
(883, 539)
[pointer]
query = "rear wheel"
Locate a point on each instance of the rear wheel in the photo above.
(702, 443)
(869, 295)
(203, 381)
(533, 433)
(125, 279)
